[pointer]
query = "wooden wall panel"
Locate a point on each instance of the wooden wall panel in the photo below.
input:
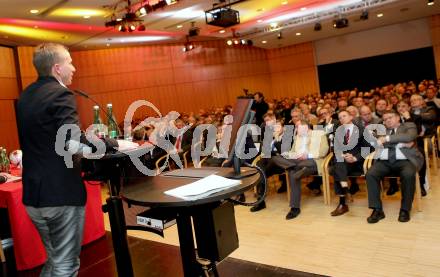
(27, 70)
(8, 94)
(211, 75)
(435, 35)
(293, 70)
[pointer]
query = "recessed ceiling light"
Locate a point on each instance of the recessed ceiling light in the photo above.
(379, 14)
(179, 26)
(284, 3)
(430, 2)
(34, 11)
(260, 20)
(303, 9)
(298, 34)
(86, 16)
(264, 41)
(118, 19)
(221, 31)
(108, 44)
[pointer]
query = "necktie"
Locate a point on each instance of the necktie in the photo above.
(179, 138)
(392, 150)
(347, 136)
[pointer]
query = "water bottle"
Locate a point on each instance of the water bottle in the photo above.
(111, 123)
(99, 130)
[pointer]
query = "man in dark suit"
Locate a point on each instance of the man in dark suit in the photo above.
(399, 155)
(53, 193)
(347, 159)
(425, 119)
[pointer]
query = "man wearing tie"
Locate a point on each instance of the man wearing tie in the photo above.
(347, 160)
(398, 155)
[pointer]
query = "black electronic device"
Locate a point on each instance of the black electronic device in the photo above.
(216, 232)
(241, 114)
(222, 17)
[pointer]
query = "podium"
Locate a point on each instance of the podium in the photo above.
(212, 215)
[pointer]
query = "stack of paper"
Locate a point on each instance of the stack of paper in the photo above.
(203, 187)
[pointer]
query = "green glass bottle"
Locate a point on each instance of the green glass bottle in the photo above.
(2, 160)
(111, 123)
(99, 129)
(7, 164)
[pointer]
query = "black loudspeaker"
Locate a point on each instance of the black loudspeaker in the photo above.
(216, 232)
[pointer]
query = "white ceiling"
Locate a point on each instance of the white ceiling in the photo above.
(19, 27)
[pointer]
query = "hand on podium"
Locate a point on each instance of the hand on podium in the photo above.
(125, 145)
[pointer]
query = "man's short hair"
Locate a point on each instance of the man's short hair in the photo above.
(391, 112)
(45, 56)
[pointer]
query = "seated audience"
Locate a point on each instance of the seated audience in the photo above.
(399, 156)
(347, 162)
(304, 159)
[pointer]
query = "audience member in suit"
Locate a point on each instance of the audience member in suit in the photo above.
(260, 107)
(329, 124)
(267, 164)
(404, 111)
(425, 119)
(432, 100)
(304, 159)
(400, 156)
(366, 117)
(381, 107)
(346, 162)
(54, 194)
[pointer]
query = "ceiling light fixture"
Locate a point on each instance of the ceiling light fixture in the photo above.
(222, 31)
(188, 46)
(340, 23)
(364, 15)
(34, 11)
(379, 14)
(298, 34)
(430, 2)
(318, 26)
(132, 20)
(264, 41)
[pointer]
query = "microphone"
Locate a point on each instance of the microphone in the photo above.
(85, 95)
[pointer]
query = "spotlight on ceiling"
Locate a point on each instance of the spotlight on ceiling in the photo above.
(188, 47)
(364, 15)
(318, 26)
(430, 2)
(340, 23)
(122, 28)
(131, 28)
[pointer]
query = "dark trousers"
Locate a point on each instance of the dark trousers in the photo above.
(422, 171)
(270, 168)
(341, 171)
(402, 168)
(297, 169)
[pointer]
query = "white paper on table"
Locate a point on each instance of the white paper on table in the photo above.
(203, 187)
